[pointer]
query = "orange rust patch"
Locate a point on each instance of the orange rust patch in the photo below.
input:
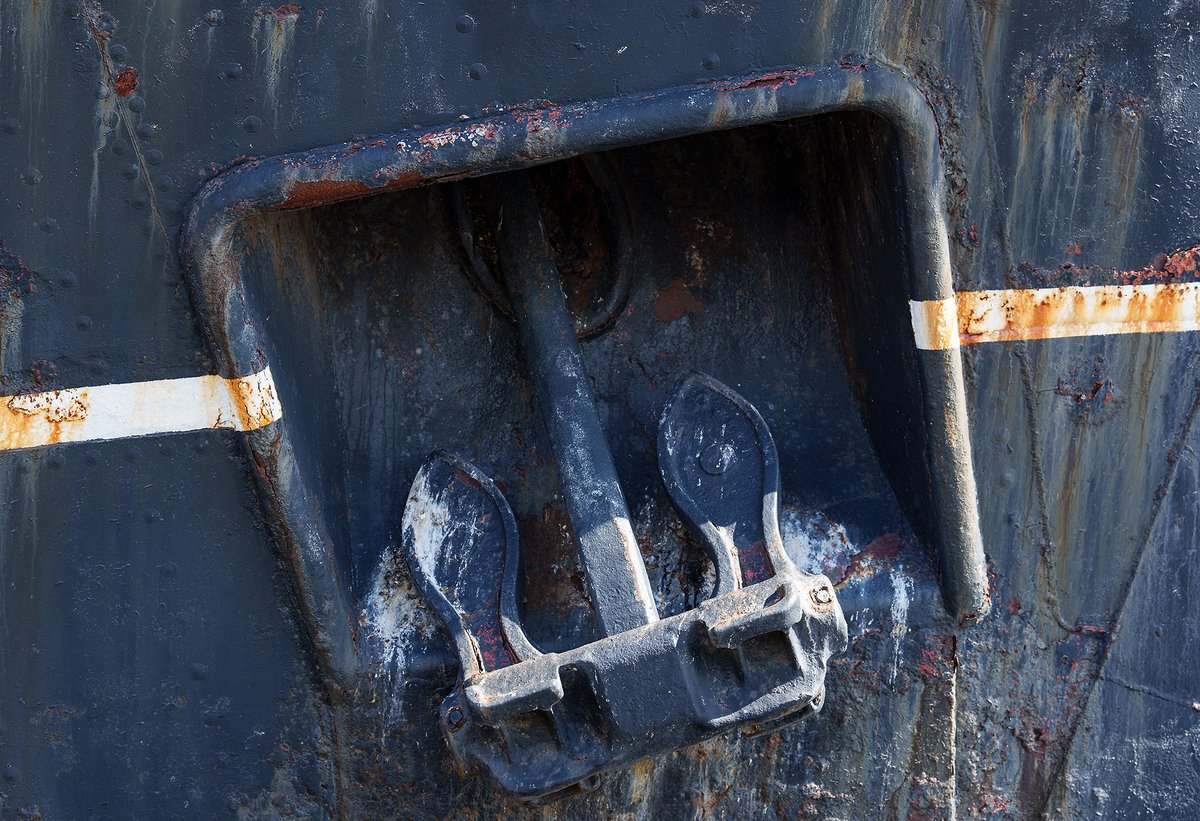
(127, 81)
(675, 301)
(39, 417)
(55, 406)
(284, 11)
(1165, 267)
(306, 194)
(772, 80)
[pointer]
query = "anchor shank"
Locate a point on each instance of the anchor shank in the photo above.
(612, 560)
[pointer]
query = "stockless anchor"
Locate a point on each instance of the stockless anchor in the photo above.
(753, 656)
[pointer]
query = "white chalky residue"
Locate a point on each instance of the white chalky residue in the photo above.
(812, 540)
(901, 598)
(429, 518)
(396, 623)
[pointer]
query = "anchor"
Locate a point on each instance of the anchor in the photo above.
(752, 656)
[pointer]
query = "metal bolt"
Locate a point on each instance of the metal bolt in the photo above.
(455, 718)
(717, 458)
(822, 595)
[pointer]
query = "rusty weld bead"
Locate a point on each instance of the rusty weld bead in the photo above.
(477, 71)
(465, 24)
(455, 718)
(712, 61)
(252, 123)
(717, 458)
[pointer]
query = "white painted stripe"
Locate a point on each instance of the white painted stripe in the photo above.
(103, 412)
(935, 324)
(1056, 313)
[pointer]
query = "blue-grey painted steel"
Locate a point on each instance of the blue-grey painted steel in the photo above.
(157, 657)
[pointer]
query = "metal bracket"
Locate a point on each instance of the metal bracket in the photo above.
(754, 655)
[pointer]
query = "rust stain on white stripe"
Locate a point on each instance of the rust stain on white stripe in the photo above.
(138, 409)
(1055, 313)
(935, 324)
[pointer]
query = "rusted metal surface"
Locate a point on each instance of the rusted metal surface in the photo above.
(152, 659)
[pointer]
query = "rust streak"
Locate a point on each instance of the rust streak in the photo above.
(675, 301)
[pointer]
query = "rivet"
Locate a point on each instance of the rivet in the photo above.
(712, 61)
(252, 123)
(717, 458)
(455, 718)
(477, 71)
(465, 24)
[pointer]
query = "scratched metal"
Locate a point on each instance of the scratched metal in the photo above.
(151, 661)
